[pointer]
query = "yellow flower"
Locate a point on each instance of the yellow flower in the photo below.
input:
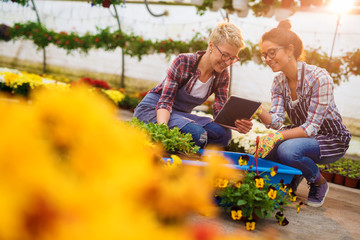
(259, 182)
(298, 207)
(221, 183)
(114, 95)
(176, 160)
(242, 161)
(238, 184)
(236, 214)
(283, 188)
(293, 198)
(273, 170)
(250, 225)
(272, 192)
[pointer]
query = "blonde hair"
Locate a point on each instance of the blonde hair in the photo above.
(229, 33)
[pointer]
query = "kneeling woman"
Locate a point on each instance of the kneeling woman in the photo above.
(190, 80)
(306, 93)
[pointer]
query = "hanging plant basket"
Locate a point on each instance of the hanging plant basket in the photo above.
(240, 5)
(282, 13)
(317, 3)
(197, 2)
(268, 2)
(270, 12)
(305, 3)
(287, 3)
(243, 13)
(217, 4)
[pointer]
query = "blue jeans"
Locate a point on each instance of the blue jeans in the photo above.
(300, 153)
(211, 133)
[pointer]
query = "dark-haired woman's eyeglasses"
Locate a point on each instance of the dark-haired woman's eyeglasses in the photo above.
(271, 53)
(226, 57)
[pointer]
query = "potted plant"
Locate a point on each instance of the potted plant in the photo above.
(253, 198)
(339, 176)
(352, 179)
(326, 172)
(353, 173)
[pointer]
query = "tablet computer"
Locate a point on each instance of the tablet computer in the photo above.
(236, 108)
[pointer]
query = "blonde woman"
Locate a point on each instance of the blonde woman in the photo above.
(190, 80)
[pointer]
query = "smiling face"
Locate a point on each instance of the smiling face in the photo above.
(223, 55)
(276, 56)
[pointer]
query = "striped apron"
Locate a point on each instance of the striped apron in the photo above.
(333, 137)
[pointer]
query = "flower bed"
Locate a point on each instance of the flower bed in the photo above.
(22, 84)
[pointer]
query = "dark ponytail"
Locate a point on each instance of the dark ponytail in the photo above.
(284, 36)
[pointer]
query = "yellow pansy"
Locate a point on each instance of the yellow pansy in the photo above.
(259, 182)
(236, 214)
(250, 225)
(272, 192)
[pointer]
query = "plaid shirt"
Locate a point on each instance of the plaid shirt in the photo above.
(318, 90)
(180, 70)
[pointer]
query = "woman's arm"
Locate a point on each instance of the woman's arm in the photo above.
(221, 90)
(296, 132)
(162, 116)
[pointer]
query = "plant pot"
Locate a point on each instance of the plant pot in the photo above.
(230, 11)
(197, 2)
(317, 3)
(282, 13)
(328, 176)
(270, 12)
(305, 3)
(351, 182)
(339, 179)
(287, 3)
(254, 217)
(217, 4)
(256, 59)
(243, 13)
(268, 2)
(240, 5)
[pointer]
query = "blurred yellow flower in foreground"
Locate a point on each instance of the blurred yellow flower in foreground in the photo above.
(70, 170)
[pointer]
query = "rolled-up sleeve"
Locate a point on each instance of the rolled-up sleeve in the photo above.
(277, 111)
(221, 91)
(170, 85)
(322, 90)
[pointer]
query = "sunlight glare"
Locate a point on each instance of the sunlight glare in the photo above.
(341, 6)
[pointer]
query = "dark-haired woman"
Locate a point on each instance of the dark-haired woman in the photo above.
(306, 93)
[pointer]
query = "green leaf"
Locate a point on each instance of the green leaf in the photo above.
(241, 202)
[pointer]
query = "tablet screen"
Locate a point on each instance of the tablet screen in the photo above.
(236, 108)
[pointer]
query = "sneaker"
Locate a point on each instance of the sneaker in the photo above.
(317, 194)
(295, 182)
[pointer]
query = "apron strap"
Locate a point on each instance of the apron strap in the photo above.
(193, 71)
(302, 77)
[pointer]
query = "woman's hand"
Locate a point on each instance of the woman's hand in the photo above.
(267, 143)
(243, 125)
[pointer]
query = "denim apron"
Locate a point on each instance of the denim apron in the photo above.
(180, 115)
(333, 137)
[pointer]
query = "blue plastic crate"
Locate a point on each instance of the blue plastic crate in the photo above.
(284, 172)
